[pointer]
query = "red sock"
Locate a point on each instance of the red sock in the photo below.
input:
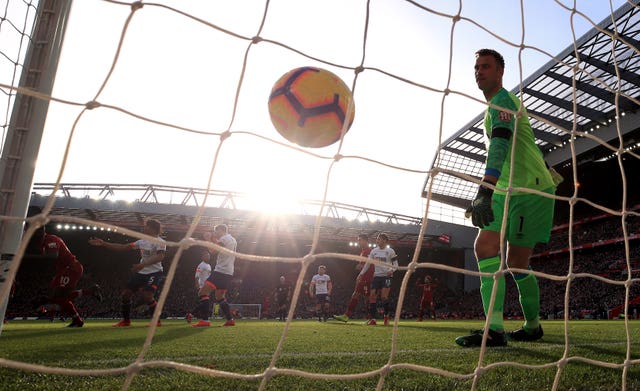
(67, 307)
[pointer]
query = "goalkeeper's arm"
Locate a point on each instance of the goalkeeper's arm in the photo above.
(480, 208)
(496, 155)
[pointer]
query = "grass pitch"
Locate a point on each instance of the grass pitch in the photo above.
(352, 356)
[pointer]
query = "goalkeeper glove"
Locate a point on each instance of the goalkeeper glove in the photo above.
(557, 178)
(480, 209)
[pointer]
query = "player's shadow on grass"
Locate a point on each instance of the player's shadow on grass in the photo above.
(438, 327)
(134, 335)
(538, 351)
(433, 327)
(178, 332)
(67, 342)
(612, 348)
(18, 334)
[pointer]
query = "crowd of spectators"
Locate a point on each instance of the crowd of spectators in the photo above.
(255, 282)
(592, 231)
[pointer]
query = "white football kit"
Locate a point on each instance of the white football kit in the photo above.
(225, 262)
(386, 255)
(148, 249)
(321, 282)
(203, 271)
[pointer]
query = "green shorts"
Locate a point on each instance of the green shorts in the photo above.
(529, 220)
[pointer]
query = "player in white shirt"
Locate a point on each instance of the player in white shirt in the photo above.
(203, 271)
(381, 277)
(220, 280)
(320, 288)
(148, 273)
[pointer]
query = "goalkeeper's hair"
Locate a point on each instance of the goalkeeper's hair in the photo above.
(492, 53)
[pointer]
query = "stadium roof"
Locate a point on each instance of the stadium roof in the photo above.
(177, 207)
(604, 65)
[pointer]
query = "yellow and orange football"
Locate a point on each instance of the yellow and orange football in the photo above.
(311, 106)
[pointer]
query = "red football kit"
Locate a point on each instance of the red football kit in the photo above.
(363, 284)
(68, 269)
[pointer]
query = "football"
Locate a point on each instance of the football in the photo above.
(310, 106)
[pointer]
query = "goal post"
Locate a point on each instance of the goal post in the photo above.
(246, 311)
(24, 134)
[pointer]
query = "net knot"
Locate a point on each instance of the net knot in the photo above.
(225, 135)
(308, 259)
(186, 242)
(269, 372)
(359, 69)
(434, 171)
(136, 5)
(256, 39)
(134, 368)
(92, 105)
(39, 220)
(337, 157)
(562, 363)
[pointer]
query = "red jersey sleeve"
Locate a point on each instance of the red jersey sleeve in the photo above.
(55, 246)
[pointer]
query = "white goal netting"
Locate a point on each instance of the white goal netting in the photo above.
(176, 91)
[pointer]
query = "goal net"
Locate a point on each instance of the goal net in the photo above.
(177, 91)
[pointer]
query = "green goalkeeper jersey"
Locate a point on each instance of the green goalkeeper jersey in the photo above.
(529, 168)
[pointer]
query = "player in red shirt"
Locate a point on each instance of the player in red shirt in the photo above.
(363, 282)
(426, 301)
(68, 271)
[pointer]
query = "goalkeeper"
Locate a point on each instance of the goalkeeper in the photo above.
(529, 217)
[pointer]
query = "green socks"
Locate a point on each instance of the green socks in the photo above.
(491, 265)
(529, 299)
